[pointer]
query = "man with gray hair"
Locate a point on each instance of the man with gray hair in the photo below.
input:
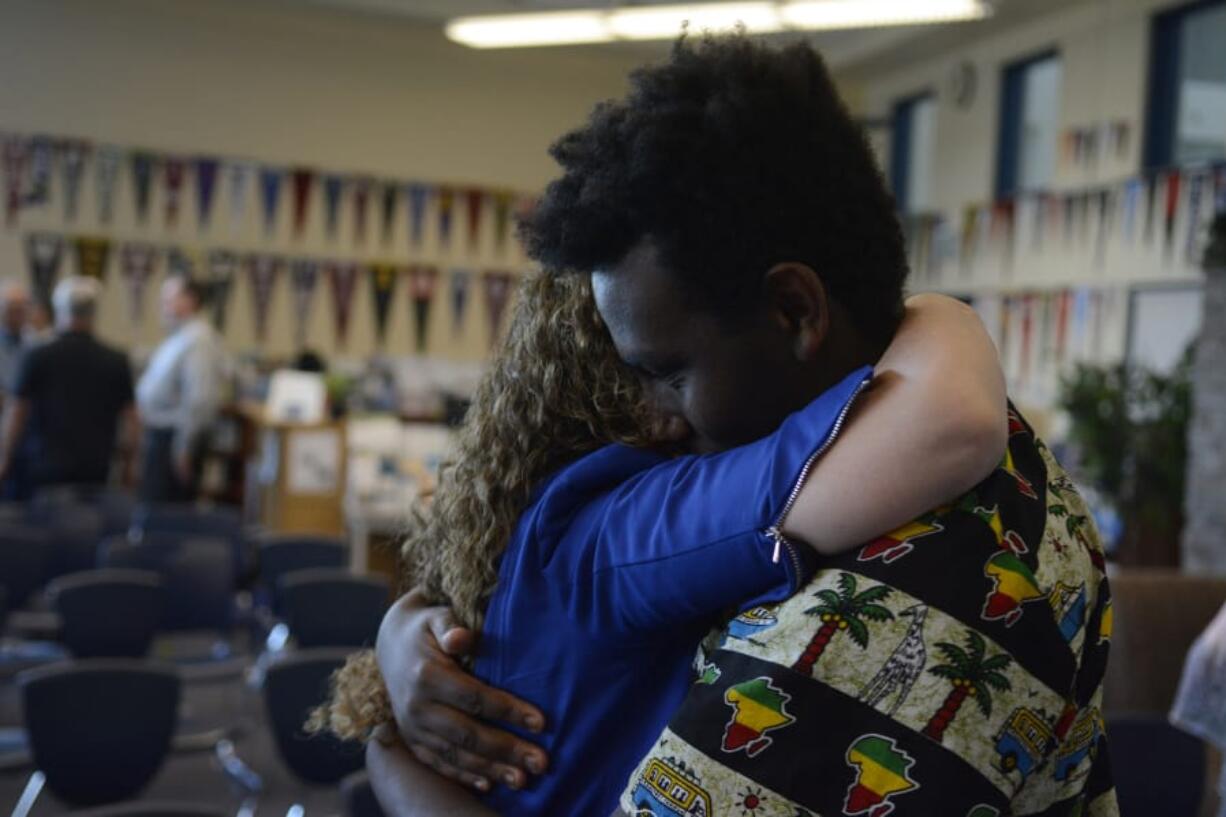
(69, 397)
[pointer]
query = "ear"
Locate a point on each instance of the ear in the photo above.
(796, 300)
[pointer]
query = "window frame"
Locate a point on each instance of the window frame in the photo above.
(1009, 120)
(901, 133)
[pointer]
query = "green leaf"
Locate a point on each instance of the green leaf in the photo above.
(1057, 510)
(879, 593)
(875, 612)
(975, 641)
(847, 585)
(984, 698)
(945, 671)
(997, 662)
(830, 597)
(821, 610)
(996, 681)
(858, 631)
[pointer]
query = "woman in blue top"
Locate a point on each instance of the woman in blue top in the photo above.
(594, 569)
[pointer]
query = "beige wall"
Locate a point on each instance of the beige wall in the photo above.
(289, 84)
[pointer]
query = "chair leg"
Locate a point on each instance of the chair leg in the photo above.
(239, 773)
(28, 795)
(295, 811)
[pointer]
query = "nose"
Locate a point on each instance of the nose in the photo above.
(671, 428)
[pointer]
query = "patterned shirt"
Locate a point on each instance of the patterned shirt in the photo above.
(951, 668)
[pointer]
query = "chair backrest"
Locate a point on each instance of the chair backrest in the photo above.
(108, 613)
(154, 808)
(330, 607)
(358, 796)
(293, 686)
(282, 553)
(99, 729)
(1157, 768)
(193, 521)
(75, 531)
(24, 552)
(198, 575)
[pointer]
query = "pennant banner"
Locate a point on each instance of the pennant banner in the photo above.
(461, 279)
(107, 159)
(43, 253)
(206, 184)
(361, 198)
(92, 256)
(137, 264)
(382, 288)
(343, 278)
(474, 198)
(181, 263)
(142, 183)
(72, 162)
(388, 196)
(1196, 192)
(270, 197)
(419, 196)
(301, 181)
(174, 170)
(15, 156)
(218, 280)
(38, 174)
(503, 202)
(304, 273)
(333, 186)
(446, 204)
(262, 269)
(239, 176)
(422, 283)
(497, 293)
(1173, 180)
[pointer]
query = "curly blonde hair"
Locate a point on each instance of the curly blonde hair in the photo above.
(555, 391)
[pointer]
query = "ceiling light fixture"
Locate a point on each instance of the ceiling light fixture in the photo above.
(665, 22)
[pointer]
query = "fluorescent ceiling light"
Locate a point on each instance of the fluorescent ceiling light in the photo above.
(666, 22)
(517, 30)
(834, 14)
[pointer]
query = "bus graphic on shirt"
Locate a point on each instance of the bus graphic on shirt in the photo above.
(664, 791)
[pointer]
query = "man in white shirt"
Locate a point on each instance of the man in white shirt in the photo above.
(179, 396)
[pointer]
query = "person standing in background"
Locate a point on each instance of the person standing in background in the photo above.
(71, 399)
(14, 311)
(179, 396)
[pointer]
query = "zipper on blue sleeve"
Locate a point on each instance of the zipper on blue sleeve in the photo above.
(775, 531)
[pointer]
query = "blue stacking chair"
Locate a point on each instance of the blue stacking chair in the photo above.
(329, 607)
(1159, 770)
(99, 729)
(24, 553)
(108, 613)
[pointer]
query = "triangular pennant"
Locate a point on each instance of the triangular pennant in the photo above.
(137, 263)
(93, 256)
(503, 201)
(418, 195)
(1219, 188)
(1106, 219)
(182, 263)
(301, 181)
(382, 289)
(461, 279)
(361, 198)
(174, 170)
(262, 269)
(304, 273)
(446, 204)
(73, 153)
(38, 174)
(333, 187)
(107, 160)
(1132, 200)
(497, 293)
(206, 184)
(15, 157)
(43, 254)
(239, 175)
(474, 199)
(270, 196)
(142, 182)
(1173, 179)
(343, 278)
(388, 196)
(1151, 196)
(218, 280)
(1196, 192)
(423, 281)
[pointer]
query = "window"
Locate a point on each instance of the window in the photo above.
(1187, 86)
(912, 151)
(1029, 125)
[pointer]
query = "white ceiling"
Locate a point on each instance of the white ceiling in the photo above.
(843, 50)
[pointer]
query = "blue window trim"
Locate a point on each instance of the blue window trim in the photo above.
(900, 145)
(1009, 142)
(1162, 96)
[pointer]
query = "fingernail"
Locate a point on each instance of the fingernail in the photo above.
(533, 722)
(482, 784)
(511, 779)
(535, 764)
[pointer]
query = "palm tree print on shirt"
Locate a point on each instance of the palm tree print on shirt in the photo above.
(844, 611)
(973, 674)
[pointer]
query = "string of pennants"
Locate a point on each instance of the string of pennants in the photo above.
(1173, 206)
(31, 162)
(219, 270)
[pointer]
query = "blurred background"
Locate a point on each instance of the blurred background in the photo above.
(341, 178)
